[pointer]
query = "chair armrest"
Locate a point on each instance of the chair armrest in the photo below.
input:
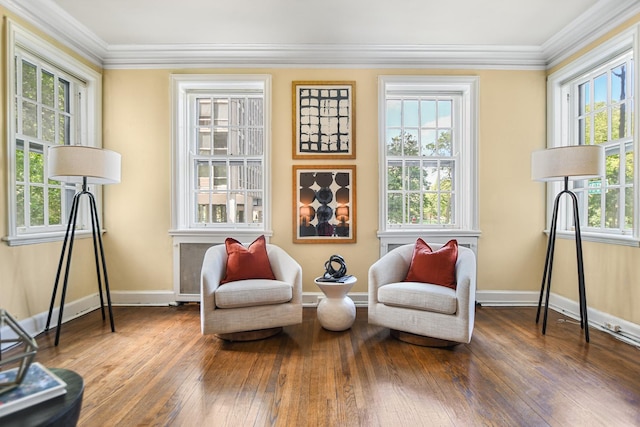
(391, 268)
(214, 266)
(286, 269)
(466, 280)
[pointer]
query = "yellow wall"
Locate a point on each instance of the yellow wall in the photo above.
(27, 273)
(137, 124)
(611, 271)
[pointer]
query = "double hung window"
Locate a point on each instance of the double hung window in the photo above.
(592, 103)
(48, 98)
(428, 146)
(221, 149)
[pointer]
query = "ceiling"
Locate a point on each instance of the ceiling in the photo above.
(122, 30)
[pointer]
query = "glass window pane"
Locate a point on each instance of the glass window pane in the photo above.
(413, 208)
(255, 112)
(445, 147)
(20, 206)
(63, 95)
(410, 143)
(594, 208)
(221, 112)
(394, 142)
(393, 113)
(29, 119)
(47, 86)
(618, 83)
(36, 205)
(48, 125)
(428, 141)
(410, 114)
(394, 176)
(430, 208)
(219, 175)
(237, 207)
(36, 164)
(220, 141)
(203, 106)
(612, 203)
(203, 199)
(628, 168)
(237, 112)
(55, 206)
(444, 114)
(618, 122)
(583, 98)
(254, 142)
(612, 167)
(255, 203)
(254, 176)
(236, 176)
(413, 175)
(394, 208)
(628, 208)
(204, 142)
(203, 176)
(236, 142)
(430, 175)
(428, 112)
(446, 175)
(601, 127)
(63, 130)
(600, 90)
(29, 81)
(20, 161)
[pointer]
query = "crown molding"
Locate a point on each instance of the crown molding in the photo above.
(290, 55)
(595, 22)
(48, 17)
(51, 19)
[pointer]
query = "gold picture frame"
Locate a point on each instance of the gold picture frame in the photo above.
(324, 204)
(324, 119)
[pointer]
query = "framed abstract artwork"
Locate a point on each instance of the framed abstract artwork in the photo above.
(324, 120)
(324, 204)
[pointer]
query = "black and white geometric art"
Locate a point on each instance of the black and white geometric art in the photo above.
(324, 120)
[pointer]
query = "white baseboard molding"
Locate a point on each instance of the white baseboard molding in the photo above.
(628, 332)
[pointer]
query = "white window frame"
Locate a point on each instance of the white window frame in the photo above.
(88, 129)
(182, 228)
(466, 227)
(560, 133)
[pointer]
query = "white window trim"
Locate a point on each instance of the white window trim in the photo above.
(467, 87)
(181, 85)
(557, 131)
(91, 127)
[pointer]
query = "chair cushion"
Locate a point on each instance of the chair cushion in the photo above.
(438, 268)
(250, 293)
(243, 263)
(419, 296)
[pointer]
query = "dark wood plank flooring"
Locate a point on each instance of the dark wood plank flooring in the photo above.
(158, 370)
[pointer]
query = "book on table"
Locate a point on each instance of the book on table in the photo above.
(38, 385)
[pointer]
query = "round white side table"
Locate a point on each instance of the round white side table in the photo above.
(336, 312)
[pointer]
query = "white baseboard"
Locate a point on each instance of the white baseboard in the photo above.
(628, 332)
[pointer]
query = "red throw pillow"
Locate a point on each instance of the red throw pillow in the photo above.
(247, 263)
(438, 268)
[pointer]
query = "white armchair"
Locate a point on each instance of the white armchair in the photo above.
(421, 313)
(249, 309)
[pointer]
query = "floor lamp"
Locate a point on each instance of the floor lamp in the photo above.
(82, 165)
(562, 164)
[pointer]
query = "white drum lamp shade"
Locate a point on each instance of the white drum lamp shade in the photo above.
(562, 164)
(72, 163)
(576, 161)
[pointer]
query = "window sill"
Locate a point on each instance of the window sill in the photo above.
(609, 239)
(33, 239)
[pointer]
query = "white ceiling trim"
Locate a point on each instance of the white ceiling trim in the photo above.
(592, 24)
(57, 23)
(341, 56)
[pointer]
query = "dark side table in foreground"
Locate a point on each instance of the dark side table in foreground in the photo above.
(62, 411)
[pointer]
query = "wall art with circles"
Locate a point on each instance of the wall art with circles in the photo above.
(324, 204)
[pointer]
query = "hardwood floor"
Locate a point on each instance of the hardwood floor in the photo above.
(157, 369)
